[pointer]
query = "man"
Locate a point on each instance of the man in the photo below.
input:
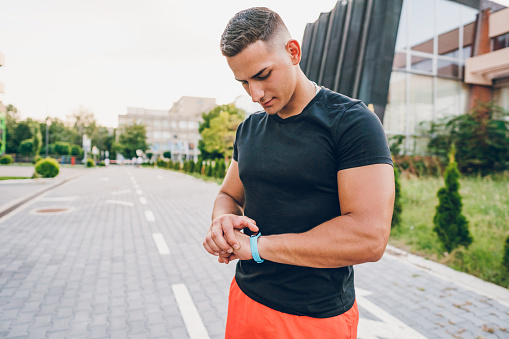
(312, 174)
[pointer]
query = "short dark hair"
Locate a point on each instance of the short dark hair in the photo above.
(247, 27)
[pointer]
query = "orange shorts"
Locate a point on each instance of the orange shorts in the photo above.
(248, 319)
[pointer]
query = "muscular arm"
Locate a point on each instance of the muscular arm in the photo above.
(359, 235)
(227, 216)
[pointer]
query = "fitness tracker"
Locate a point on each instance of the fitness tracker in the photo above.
(253, 240)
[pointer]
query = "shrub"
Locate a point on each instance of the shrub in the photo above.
(36, 159)
(6, 159)
(176, 165)
(47, 168)
(191, 167)
(505, 260)
(101, 164)
(90, 162)
(161, 163)
(76, 150)
(451, 225)
(209, 171)
(26, 147)
(62, 147)
(398, 205)
(167, 154)
(149, 155)
(480, 137)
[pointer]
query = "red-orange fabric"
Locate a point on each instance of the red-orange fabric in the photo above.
(248, 319)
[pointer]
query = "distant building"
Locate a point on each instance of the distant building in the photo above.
(174, 130)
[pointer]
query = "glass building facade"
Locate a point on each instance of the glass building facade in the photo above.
(434, 39)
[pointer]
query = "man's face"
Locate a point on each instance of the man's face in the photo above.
(267, 74)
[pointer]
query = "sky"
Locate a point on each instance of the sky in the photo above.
(106, 55)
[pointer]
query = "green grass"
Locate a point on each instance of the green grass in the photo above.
(485, 205)
(14, 178)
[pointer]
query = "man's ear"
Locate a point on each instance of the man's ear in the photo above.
(293, 48)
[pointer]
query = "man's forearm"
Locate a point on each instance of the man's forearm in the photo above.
(342, 241)
(225, 204)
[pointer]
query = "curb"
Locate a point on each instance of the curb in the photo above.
(465, 280)
(11, 206)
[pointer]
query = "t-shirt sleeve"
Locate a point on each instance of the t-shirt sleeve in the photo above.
(360, 139)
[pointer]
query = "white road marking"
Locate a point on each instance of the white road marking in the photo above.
(161, 244)
(120, 192)
(159, 177)
(60, 199)
(139, 192)
(143, 200)
(120, 202)
(389, 327)
(192, 319)
(104, 178)
(150, 216)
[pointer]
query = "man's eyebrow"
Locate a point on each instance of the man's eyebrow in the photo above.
(254, 76)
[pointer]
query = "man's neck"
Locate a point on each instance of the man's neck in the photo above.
(304, 92)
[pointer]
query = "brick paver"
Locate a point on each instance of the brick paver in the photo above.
(96, 272)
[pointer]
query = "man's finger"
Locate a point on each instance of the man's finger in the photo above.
(211, 244)
(217, 234)
(208, 249)
(251, 224)
(230, 235)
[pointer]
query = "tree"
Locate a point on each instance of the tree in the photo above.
(62, 147)
(451, 225)
(11, 122)
(481, 138)
(131, 138)
(218, 131)
(26, 147)
(36, 137)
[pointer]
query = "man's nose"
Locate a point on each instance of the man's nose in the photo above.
(256, 92)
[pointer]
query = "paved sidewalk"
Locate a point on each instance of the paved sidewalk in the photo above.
(120, 256)
(15, 190)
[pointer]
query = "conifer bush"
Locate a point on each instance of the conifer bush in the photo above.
(6, 159)
(398, 205)
(47, 168)
(90, 162)
(505, 260)
(451, 226)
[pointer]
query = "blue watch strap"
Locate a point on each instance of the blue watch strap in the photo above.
(253, 240)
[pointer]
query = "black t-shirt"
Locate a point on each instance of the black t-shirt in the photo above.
(288, 168)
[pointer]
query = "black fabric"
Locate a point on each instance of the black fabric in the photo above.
(288, 168)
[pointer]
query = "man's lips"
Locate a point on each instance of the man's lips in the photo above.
(266, 103)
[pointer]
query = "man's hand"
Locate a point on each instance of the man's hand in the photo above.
(221, 238)
(243, 253)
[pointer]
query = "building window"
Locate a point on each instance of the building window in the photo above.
(166, 135)
(182, 124)
(501, 41)
(173, 124)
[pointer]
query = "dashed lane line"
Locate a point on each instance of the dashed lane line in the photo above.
(120, 202)
(161, 244)
(192, 319)
(143, 200)
(150, 216)
(139, 192)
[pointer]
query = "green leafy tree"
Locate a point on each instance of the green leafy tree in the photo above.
(167, 155)
(36, 137)
(451, 226)
(62, 147)
(133, 137)
(398, 205)
(76, 150)
(11, 122)
(26, 147)
(481, 138)
(218, 131)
